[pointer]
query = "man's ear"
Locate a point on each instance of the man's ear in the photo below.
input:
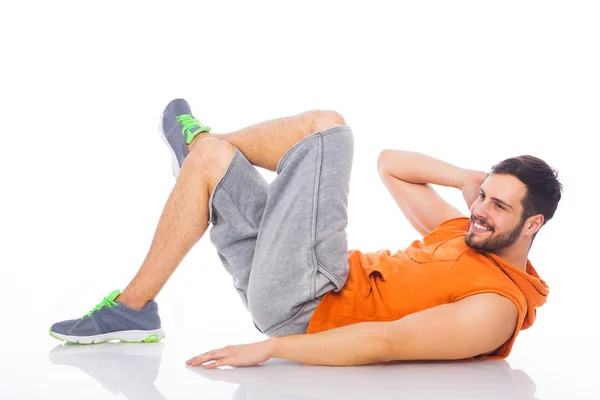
(534, 224)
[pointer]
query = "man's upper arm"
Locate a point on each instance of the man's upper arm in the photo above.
(424, 208)
(476, 325)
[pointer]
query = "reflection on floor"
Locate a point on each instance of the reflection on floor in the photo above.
(121, 368)
(132, 369)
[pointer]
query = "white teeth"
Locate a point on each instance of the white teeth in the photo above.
(478, 226)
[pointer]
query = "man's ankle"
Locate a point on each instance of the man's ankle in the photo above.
(130, 302)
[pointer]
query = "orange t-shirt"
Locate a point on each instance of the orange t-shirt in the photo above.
(439, 269)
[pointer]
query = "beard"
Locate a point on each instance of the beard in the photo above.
(493, 242)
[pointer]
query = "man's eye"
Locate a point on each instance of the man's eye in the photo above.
(499, 206)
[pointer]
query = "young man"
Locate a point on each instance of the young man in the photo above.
(465, 290)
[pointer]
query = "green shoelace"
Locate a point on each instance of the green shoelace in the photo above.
(188, 123)
(106, 302)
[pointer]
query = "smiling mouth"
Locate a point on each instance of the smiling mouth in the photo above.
(479, 228)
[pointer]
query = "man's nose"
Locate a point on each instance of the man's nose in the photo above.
(481, 210)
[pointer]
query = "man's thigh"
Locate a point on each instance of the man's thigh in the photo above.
(302, 248)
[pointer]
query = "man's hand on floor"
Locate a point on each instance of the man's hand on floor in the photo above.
(235, 356)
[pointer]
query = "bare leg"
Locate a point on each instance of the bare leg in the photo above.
(263, 144)
(186, 215)
(182, 223)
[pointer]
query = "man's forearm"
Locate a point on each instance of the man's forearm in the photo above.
(421, 169)
(357, 344)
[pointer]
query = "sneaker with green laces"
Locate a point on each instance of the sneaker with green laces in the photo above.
(178, 128)
(111, 320)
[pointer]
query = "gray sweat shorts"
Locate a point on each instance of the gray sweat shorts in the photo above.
(285, 243)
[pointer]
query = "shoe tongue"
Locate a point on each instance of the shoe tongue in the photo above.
(113, 295)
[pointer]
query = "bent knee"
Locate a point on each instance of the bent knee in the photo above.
(325, 119)
(211, 152)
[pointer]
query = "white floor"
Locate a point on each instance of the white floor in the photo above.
(84, 177)
(554, 360)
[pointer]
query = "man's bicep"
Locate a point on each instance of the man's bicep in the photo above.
(476, 325)
(424, 208)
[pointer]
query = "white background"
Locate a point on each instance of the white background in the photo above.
(84, 175)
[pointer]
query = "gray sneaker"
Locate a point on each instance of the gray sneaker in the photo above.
(112, 320)
(178, 128)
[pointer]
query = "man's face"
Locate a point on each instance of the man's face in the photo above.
(496, 214)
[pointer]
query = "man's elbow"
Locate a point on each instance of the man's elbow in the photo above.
(381, 161)
(395, 342)
(388, 159)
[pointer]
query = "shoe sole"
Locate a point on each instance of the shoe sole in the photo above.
(123, 336)
(174, 163)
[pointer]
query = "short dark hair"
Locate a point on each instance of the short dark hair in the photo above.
(543, 188)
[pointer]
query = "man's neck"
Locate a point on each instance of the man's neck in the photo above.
(515, 256)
